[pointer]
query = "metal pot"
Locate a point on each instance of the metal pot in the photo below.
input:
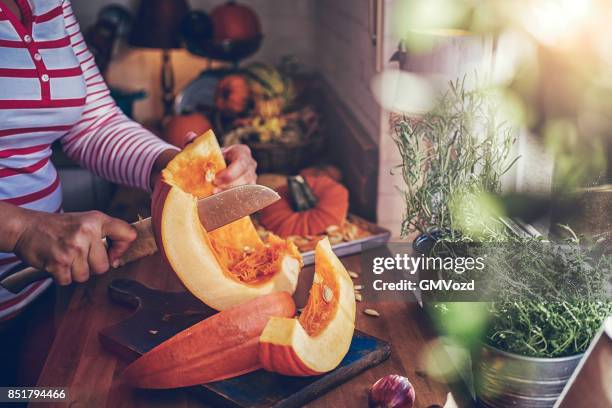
(505, 379)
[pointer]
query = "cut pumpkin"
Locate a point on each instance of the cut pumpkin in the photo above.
(229, 265)
(220, 347)
(318, 340)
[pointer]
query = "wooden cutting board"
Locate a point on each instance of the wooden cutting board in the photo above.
(159, 315)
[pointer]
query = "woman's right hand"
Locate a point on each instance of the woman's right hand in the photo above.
(69, 246)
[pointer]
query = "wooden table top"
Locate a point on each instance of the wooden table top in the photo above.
(78, 361)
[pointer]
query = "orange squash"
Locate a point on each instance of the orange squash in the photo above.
(175, 131)
(318, 340)
(229, 265)
(232, 94)
(329, 170)
(220, 347)
(331, 208)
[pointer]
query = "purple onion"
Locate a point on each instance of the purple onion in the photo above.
(391, 391)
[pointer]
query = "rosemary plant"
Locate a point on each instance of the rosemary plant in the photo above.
(459, 148)
(454, 157)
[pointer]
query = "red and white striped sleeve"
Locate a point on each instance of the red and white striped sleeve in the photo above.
(104, 140)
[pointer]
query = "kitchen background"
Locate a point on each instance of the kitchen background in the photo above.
(349, 45)
(360, 70)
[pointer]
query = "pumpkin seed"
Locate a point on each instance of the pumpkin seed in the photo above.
(328, 294)
(358, 287)
(332, 229)
(358, 297)
(371, 312)
(210, 175)
(153, 331)
(353, 275)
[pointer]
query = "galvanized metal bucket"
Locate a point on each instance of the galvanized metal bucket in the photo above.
(509, 380)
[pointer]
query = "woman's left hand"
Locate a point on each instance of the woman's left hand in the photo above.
(240, 168)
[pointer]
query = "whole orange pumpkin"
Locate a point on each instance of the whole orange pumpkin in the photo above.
(232, 21)
(179, 126)
(331, 208)
(232, 94)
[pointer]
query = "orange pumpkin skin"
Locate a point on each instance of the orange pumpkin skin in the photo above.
(232, 94)
(328, 170)
(331, 209)
(176, 129)
(233, 21)
(317, 341)
(220, 347)
(283, 360)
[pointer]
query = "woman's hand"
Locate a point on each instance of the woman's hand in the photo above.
(240, 168)
(69, 246)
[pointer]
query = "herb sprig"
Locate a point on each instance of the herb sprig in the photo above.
(459, 148)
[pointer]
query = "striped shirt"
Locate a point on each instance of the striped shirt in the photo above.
(51, 89)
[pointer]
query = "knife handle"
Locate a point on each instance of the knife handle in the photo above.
(144, 245)
(18, 281)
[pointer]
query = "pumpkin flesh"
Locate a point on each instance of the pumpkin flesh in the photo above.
(318, 340)
(222, 267)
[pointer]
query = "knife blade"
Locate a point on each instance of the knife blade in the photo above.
(214, 212)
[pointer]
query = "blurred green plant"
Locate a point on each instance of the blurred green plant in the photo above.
(558, 70)
(451, 157)
(551, 298)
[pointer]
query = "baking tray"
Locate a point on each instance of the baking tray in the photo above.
(380, 236)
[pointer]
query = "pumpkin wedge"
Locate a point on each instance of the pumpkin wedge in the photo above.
(229, 265)
(318, 340)
(220, 347)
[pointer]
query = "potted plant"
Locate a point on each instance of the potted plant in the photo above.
(546, 302)
(459, 149)
(525, 343)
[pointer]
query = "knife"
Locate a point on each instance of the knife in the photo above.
(214, 212)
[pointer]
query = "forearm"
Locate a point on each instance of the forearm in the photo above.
(160, 163)
(104, 140)
(12, 225)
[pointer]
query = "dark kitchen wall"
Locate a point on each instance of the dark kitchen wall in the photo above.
(347, 56)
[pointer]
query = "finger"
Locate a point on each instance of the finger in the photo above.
(59, 266)
(80, 267)
(190, 137)
(243, 168)
(245, 179)
(240, 161)
(121, 235)
(98, 258)
(61, 274)
(248, 177)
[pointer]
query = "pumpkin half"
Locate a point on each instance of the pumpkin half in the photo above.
(226, 266)
(220, 347)
(318, 340)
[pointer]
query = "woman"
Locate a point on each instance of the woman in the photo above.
(51, 89)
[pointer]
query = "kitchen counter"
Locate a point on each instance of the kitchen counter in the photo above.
(78, 361)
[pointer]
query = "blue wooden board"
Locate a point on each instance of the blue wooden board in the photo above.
(159, 315)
